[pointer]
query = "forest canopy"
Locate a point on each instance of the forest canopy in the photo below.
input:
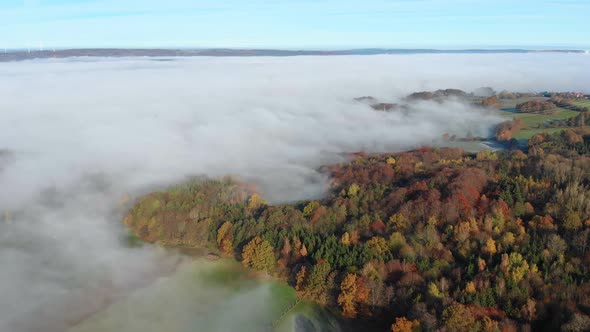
(420, 240)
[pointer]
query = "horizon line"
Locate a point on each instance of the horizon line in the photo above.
(301, 49)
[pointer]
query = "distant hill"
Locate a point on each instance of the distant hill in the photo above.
(438, 95)
(19, 55)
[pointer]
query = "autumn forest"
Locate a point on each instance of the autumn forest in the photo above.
(430, 239)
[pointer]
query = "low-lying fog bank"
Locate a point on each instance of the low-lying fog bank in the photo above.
(208, 296)
(77, 135)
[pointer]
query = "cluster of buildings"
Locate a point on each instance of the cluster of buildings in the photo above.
(572, 95)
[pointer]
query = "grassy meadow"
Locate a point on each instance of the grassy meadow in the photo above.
(533, 122)
(583, 103)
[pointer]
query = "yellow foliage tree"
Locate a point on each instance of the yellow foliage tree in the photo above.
(402, 324)
(227, 246)
(345, 239)
(309, 208)
(470, 287)
(224, 238)
(459, 318)
(377, 246)
(353, 190)
(346, 299)
(259, 254)
(508, 239)
(222, 231)
(489, 325)
(518, 267)
(256, 201)
(434, 292)
(490, 247)
(398, 222)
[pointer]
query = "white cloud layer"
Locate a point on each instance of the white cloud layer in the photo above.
(83, 132)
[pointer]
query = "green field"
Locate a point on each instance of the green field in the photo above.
(283, 297)
(533, 122)
(583, 103)
(528, 133)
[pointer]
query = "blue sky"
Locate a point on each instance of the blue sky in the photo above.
(313, 24)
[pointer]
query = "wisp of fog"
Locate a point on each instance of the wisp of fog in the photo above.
(77, 135)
